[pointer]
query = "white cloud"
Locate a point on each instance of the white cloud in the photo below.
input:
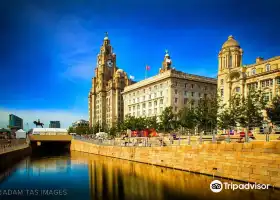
(65, 117)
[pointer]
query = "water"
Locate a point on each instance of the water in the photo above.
(82, 176)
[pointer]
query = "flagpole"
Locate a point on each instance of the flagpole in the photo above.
(146, 72)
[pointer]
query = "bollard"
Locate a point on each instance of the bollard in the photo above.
(267, 137)
(246, 135)
(200, 137)
(214, 138)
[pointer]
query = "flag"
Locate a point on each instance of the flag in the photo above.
(131, 77)
(148, 67)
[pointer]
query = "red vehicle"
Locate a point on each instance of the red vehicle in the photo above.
(144, 133)
(250, 134)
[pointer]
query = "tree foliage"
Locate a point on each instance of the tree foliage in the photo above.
(251, 109)
(187, 117)
(273, 110)
(167, 119)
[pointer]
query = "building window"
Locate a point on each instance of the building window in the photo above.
(252, 86)
(230, 61)
(150, 96)
(185, 100)
(161, 93)
(155, 110)
(161, 101)
(176, 91)
(199, 95)
(143, 98)
(133, 107)
(175, 109)
(176, 99)
(222, 92)
(253, 72)
(192, 85)
(175, 83)
(143, 105)
(278, 81)
(160, 85)
(155, 103)
(192, 94)
(237, 90)
(133, 100)
(133, 94)
(267, 83)
(266, 96)
(150, 104)
(155, 87)
(267, 68)
(205, 88)
(222, 81)
(186, 93)
(138, 100)
(185, 85)
(138, 106)
(143, 90)
(155, 95)
(161, 109)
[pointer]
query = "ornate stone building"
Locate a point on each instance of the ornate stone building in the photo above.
(105, 99)
(170, 87)
(234, 77)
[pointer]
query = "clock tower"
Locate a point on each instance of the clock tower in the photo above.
(166, 64)
(105, 99)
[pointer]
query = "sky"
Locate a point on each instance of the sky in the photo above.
(48, 48)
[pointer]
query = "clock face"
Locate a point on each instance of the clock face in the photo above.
(109, 63)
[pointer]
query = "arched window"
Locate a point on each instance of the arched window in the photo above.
(237, 89)
(253, 72)
(267, 68)
(230, 62)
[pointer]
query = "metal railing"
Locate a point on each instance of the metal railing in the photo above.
(169, 141)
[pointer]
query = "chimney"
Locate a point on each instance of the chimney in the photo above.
(259, 59)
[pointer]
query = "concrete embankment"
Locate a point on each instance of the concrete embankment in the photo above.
(13, 154)
(250, 162)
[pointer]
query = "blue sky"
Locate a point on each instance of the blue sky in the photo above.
(48, 48)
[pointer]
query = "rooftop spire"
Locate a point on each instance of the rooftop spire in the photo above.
(106, 36)
(166, 52)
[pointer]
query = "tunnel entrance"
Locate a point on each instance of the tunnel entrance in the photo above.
(50, 148)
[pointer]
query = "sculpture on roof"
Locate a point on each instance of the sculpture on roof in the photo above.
(38, 123)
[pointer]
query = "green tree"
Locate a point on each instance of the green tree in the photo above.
(167, 119)
(273, 110)
(113, 131)
(252, 107)
(206, 112)
(151, 122)
(187, 117)
(229, 116)
(71, 130)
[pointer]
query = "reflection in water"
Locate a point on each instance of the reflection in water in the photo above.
(87, 176)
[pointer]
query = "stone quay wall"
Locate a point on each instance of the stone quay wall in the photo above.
(257, 161)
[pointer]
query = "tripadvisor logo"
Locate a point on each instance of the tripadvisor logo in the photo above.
(217, 186)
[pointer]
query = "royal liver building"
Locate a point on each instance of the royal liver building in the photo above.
(105, 99)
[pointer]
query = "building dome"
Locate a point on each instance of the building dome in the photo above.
(119, 71)
(231, 42)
